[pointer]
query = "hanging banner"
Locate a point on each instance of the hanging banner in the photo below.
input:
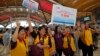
(63, 15)
(30, 4)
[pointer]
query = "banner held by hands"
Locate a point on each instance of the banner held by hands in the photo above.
(63, 15)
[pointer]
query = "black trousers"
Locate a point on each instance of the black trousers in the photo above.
(87, 50)
(68, 53)
(59, 52)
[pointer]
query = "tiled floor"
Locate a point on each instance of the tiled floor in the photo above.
(97, 52)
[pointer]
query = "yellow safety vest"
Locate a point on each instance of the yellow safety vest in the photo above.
(20, 49)
(72, 43)
(46, 40)
(53, 45)
(88, 37)
(46, 50)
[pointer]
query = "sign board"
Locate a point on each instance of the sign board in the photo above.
(63, 15)
(30, 4)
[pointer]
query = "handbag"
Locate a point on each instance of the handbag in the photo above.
(35, 50)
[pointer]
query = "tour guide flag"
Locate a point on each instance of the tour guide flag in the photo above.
(30, 4)
(63, 15)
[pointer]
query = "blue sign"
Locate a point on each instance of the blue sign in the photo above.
(63, 15)
(30, 4)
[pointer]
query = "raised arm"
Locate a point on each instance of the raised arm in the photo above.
(29, 22)
(15, 35)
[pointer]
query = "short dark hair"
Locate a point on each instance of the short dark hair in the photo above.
(41, 27)
(27, 28)
(21, 28)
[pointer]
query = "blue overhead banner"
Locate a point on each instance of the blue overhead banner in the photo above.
(30, 4)
(63, 15)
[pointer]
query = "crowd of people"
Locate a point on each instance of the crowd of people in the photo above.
(44, 41)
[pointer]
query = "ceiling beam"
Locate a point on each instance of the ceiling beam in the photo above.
(82, 4)
(79, 2)
(92, 7)
(85, 5)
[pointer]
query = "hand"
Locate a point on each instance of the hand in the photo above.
(46, 46)
(53, 52)
(40, 46)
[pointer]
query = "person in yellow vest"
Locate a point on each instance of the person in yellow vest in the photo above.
(18, 42)
(41, 43)
(53, 48)
(87, 40)
(27, 34)
(69, 47)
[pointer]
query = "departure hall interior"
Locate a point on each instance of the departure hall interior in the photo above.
(33, 16)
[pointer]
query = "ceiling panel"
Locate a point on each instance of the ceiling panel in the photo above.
(79, 4)
(87, 4)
